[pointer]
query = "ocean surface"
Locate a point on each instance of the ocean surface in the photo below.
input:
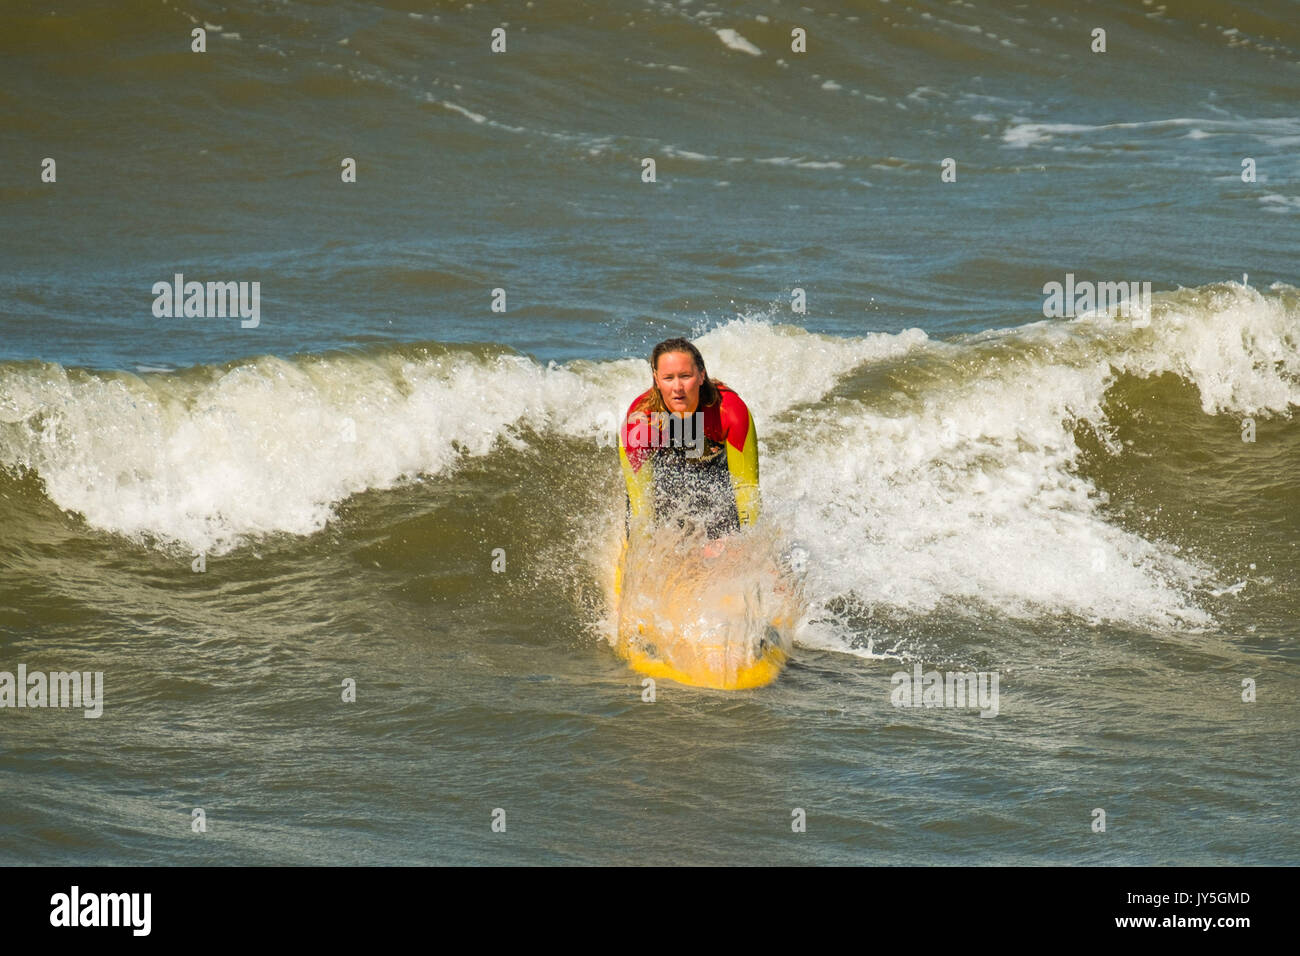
(236, 524)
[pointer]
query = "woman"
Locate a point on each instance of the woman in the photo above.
(688, 448)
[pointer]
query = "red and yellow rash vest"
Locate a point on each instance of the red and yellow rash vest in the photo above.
(672, 471)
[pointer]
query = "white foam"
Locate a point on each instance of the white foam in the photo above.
(800, 163)
(967, 499)
(961, 493)
(1272, 130)
(263, 446)
(477, 118)
(676, 153)
(737, 42)
(1240, 348)
(1276, 202)
(964, 495)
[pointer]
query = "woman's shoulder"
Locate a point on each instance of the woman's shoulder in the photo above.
(735, 415)
(639, 401)
(729, 399)
(637, 415)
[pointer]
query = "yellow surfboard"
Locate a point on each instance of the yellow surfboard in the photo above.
(721, 617)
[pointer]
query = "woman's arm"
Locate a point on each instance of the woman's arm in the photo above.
(633, 454)
(742, 456)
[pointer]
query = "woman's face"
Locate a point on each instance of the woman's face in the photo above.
(679, 382)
